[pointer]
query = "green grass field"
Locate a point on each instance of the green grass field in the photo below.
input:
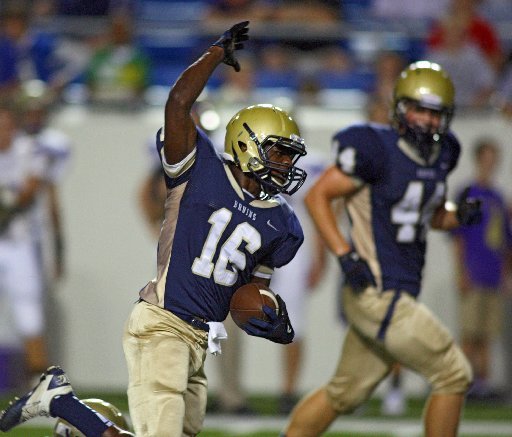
(266, 405)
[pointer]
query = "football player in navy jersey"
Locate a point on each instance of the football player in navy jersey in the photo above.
(225, 225)
(393, 182)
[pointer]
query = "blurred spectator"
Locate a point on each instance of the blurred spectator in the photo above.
(308, 91)
(56, 147)
(152, 191)
(47, 222)
(378, 109)
(399, 9)
(81, 7)
(9, 80)
(386, 68)
(308, 11)
(502, 98)
(21, 180)
(119, 71)
(481, 253)
(335, 59)
(27, 53)
(223, 11)
(238, 87)
(465, 63)
(301, 18)
(336, 68)
(464, 15)
(276, 67)
(296, 281)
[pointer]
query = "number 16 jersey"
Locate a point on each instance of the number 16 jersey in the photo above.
(215, 236)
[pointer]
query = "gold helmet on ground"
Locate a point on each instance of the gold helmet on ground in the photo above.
(252, 133)
(106, 409)
(426, 85)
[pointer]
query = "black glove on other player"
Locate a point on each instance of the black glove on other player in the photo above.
(357, 272)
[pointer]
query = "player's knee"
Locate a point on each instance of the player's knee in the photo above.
(456, 375)
(344, 398)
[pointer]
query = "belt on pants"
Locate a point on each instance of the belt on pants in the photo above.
(196, 322)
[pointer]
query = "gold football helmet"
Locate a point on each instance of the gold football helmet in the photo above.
(106, 409)
(427, 85)
(252, 133)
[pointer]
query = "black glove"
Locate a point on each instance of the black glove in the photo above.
(469, 209)
(357, 272)
(231, 40)
(278, 329)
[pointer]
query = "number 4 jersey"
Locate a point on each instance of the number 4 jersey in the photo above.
(399, 192)
(215, 236)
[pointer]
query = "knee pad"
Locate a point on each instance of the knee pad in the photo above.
(455, 376)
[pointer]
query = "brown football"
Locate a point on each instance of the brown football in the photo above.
(247, 302)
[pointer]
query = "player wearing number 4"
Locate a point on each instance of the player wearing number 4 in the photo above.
(393, 181)
(225, 225)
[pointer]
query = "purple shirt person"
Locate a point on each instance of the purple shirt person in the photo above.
(488, 242)
(481, 254)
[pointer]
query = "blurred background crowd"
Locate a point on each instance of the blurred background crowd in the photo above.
(326, 52)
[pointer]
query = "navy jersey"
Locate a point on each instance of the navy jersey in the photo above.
(215, 237)
(400, 191)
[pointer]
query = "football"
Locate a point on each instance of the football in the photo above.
(248, 300)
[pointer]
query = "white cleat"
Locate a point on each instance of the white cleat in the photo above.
(53, 382)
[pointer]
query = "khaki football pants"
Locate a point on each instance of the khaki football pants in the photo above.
(413, 337)
(167, 388)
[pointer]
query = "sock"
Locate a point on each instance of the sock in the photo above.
(74, 411)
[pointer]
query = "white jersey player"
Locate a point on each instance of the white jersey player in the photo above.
(21, 178)
(55, 146)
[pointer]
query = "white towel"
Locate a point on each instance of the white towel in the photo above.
(216, 333)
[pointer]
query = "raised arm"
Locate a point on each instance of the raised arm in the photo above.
(180, 131)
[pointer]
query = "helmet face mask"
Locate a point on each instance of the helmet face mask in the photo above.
(425, 86)
(256, 137)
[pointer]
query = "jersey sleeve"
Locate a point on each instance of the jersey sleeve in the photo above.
(285, 248)
(359, 153)
(175, 174)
